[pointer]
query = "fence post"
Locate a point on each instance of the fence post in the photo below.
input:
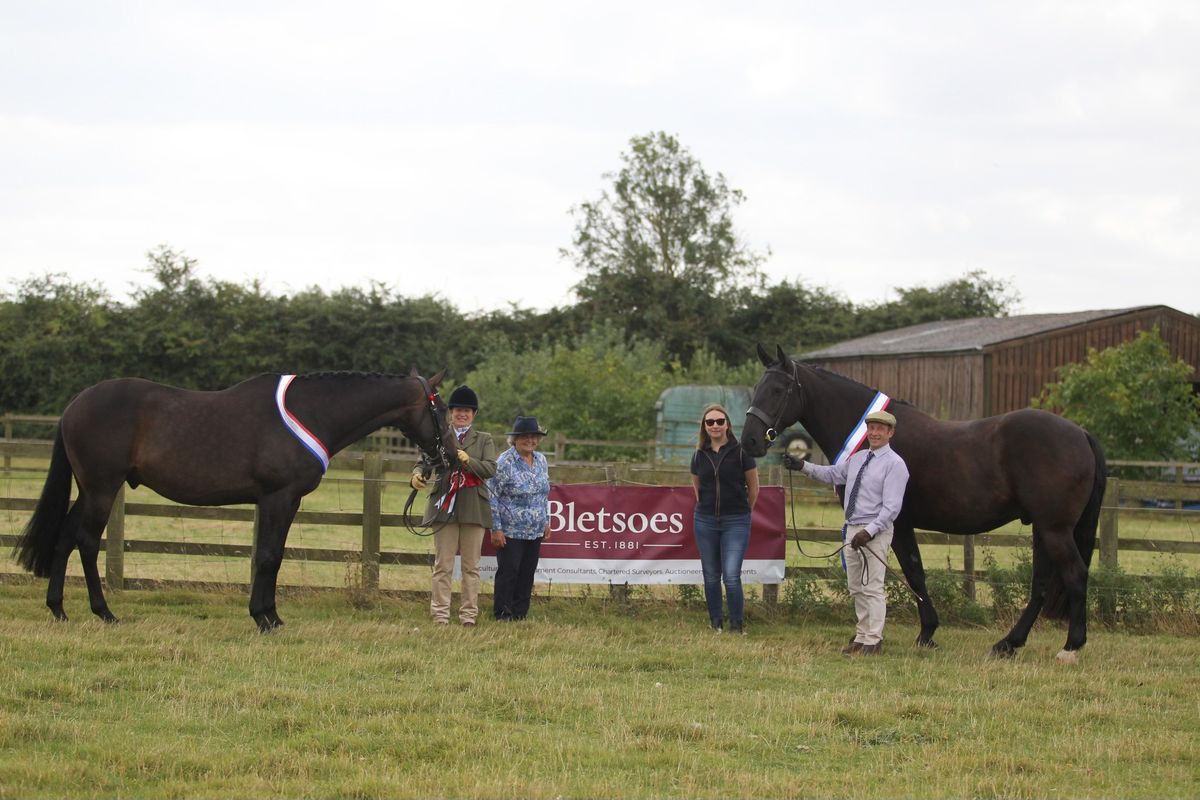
(372, 506)
(1108, 524)
(8, 438)
(253, 547)
(1179, 483)
(560, 447)
(969, 566)
(114, 547)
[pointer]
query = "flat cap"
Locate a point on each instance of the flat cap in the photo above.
(882, 417)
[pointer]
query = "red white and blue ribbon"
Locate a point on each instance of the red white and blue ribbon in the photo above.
(310, 442)
(856, 437)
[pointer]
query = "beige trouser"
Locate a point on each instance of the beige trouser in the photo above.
(451, 539)
(870, 601)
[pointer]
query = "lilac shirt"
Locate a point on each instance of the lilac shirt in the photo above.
(882, 491)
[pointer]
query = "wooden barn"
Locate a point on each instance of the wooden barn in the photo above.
(971, 368)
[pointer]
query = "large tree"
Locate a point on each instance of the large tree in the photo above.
(1134, 397)
(659, 249)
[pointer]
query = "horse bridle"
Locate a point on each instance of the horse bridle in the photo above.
(443, 462)
(772, 425)
(431, 397)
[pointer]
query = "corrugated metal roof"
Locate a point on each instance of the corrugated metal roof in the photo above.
(956, 335)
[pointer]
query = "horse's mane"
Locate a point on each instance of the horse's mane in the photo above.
(839, 376)
(350, 374)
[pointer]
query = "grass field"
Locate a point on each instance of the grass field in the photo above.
(585, 699)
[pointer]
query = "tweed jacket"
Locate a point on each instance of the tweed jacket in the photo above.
(471, 506)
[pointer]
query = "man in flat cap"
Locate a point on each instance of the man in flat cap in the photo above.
(875, 478)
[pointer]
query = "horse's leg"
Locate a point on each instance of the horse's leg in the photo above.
(275, 515)
(1015, 638)
(904, 543)
(58, 567)
(91, 525)
(1067, 561)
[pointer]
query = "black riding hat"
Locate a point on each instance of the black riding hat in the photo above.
(464, 397)
(525, 425)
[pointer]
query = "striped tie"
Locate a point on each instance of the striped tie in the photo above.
(857, 483)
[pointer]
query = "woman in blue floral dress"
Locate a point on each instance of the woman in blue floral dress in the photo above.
(520, 494)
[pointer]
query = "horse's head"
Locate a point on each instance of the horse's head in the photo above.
(776, 403)
(430, 430)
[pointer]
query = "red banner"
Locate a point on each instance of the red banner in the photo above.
(643, 534)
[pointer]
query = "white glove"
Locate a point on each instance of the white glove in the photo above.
(418, 481)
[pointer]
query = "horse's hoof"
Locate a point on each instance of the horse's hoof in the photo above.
(1003, 649)
(107, 616)
(1067, 657)
(927, 644)
(59, 615)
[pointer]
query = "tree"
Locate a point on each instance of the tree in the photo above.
(596, 386)
(659, 250)
(56, 338)
(1134, 397)
(973, 295)
(789, 314)
(200, 334)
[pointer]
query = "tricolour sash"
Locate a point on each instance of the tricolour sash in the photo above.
(856, 437)
(312, 443)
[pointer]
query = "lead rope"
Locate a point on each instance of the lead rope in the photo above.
(865, 573)
(432, 528)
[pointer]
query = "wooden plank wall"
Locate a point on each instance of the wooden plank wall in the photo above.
(944, 386)
(1021, 369)
(956, 385)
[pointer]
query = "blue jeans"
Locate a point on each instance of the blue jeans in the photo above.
(722, 543)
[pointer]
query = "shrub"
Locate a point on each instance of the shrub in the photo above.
(803, 594)
(1008, 586)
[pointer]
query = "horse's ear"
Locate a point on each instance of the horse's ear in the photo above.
(412, 372)
(436, 379)
(782, 355)
(763, 357)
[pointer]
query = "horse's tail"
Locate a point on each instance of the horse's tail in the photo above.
(1057, 605)
(35, 548)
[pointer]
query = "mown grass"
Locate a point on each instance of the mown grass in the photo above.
(585, 699)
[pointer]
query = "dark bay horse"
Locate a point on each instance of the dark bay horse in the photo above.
(965, 478)
(265, 441)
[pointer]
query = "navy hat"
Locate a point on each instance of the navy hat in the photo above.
(525, 425)
(463, 397)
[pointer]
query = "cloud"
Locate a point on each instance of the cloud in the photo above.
(440, 148)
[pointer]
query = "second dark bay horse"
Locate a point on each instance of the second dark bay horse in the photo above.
(265, 441)
(965, 478)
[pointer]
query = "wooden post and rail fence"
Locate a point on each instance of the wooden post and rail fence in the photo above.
(371, 520)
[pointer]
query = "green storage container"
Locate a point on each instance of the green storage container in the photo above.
(677, 423)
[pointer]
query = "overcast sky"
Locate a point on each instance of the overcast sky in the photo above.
(439, 147)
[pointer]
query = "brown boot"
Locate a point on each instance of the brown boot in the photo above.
(852, 649)
(872, 649)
